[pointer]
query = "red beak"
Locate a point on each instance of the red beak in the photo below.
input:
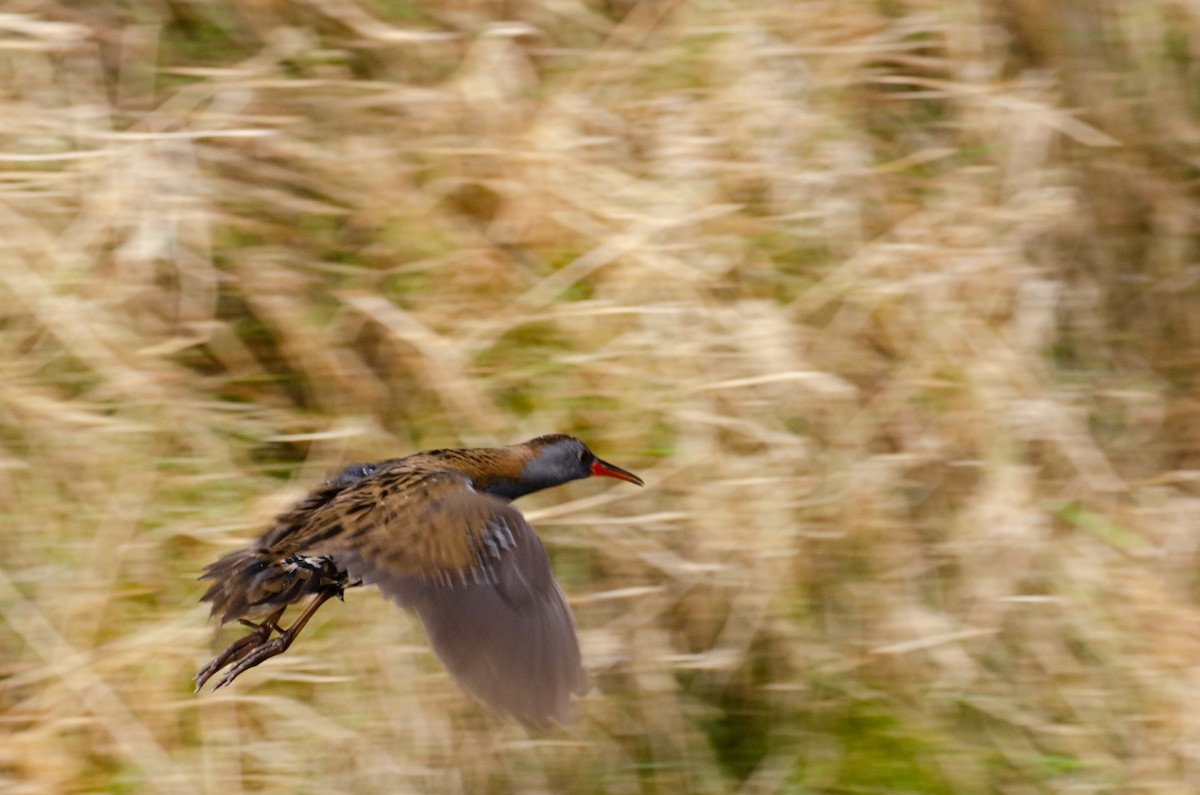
(603, 469)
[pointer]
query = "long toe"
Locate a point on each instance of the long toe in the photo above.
(234, 652)
(255, 656)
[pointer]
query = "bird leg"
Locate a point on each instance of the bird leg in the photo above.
(258, 646)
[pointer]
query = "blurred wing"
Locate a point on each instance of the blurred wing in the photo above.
(479, 578)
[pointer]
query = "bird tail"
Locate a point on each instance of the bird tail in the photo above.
(252, 582)
(242, 582)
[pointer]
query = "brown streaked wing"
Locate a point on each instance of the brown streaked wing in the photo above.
(509, 640)
(411, 523)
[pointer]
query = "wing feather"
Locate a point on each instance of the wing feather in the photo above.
(410, 522)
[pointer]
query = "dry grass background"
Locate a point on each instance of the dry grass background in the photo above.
(894, 305)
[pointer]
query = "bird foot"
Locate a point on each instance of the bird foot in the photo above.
(242, 647)
(256, 654)
(247, 652)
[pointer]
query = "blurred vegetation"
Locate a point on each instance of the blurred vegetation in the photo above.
(894, 304)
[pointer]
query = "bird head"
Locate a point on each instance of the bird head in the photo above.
(559, 458)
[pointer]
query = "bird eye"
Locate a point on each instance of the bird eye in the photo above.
(583, 456)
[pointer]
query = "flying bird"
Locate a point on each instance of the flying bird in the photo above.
(437, 533)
